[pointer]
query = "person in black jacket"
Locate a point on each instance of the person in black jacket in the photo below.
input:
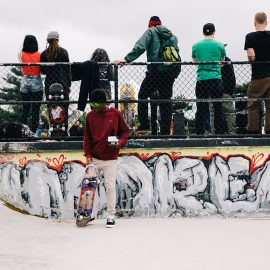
(229, 82)
(58, 73)
(87, 72)
(105, 71)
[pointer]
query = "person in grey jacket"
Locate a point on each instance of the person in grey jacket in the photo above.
(159, 79)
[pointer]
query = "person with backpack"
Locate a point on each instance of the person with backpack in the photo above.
(159, 78)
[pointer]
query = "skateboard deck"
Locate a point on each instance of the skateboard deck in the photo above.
(57, 111)
(87, 195)
(73, 118)
(127, 92)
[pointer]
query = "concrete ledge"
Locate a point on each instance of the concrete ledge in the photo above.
(155, 177)
(135, 143)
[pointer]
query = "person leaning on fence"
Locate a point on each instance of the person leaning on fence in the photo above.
(257, 45)
(229, 83)
(103, 123)
(58, 73)
(31, 88)
(88, 73)
(158, 77)
(209, 82)
(105, 72)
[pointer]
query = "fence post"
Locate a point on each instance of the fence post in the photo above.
(116, 86)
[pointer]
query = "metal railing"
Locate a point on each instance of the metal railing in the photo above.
(167, 103)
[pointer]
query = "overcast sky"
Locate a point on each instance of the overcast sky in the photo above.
(116, 25)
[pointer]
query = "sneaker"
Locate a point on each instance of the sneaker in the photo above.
(92, 218)
(110, 222)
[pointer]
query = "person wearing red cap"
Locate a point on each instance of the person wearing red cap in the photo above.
(159, 78)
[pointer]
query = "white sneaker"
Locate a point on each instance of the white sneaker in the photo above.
(110, 222)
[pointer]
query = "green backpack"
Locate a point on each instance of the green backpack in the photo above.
(170, 54)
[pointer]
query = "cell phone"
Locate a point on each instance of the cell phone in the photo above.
(112, 140)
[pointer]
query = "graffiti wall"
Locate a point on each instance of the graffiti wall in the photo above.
(225, 181)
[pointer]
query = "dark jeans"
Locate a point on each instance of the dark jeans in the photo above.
(31, 108)
(153, 83)
(212, 88)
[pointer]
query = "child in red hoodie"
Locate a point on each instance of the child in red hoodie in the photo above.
(104, 124)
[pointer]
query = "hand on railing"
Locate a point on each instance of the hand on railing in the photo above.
(120, 62)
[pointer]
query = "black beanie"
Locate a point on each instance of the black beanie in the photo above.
(98, 96)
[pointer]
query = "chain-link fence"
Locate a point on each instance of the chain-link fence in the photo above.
(156, 101)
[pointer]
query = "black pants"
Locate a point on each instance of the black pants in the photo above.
(31, 108)
(212, 88)
(153, 83)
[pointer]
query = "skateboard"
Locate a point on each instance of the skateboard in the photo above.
(57, 111)
(89, 184)
(73, 118)
(127, 92)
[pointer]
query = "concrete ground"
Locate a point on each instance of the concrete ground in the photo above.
(29, 242)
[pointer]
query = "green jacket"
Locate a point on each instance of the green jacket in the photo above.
(150, 42)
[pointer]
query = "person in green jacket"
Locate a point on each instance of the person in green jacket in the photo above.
(159, 78)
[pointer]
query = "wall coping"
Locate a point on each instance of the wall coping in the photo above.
(136, 143)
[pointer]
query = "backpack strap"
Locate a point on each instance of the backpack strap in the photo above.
(160, 39)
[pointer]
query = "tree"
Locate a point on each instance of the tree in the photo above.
(241, 90)
(181, 105)
(10, 92)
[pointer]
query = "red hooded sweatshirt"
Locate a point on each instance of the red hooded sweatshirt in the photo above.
(98, 127)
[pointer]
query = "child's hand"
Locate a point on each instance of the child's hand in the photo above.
(88, 160)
